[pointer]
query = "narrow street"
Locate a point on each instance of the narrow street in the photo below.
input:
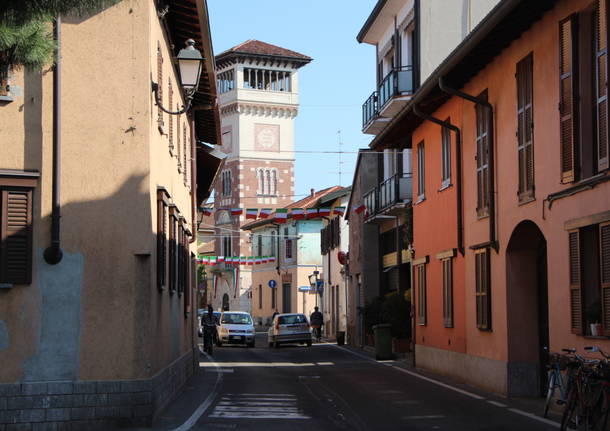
(327, 387)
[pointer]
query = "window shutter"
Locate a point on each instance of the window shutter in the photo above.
(601, 36)
(604, 263)
(482, 142)
(447, 293)
(525, 128)
(567, 117)
(576, 319)
(161, 240)
(16, 236)
(483, 296)
(421, 294)
(160, 84)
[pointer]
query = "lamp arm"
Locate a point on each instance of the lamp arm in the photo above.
(155, 89)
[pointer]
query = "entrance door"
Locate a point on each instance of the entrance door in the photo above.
(225, 302)
(286, 297)
(527, 310)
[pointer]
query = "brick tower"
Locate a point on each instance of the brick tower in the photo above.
(258, 97)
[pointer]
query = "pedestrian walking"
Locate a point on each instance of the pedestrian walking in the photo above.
(316, 320)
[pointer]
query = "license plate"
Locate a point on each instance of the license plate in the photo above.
(236, 338)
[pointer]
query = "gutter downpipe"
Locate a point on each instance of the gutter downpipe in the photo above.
(193, 180)
(492, 175)
(53, 254)
(458, 186)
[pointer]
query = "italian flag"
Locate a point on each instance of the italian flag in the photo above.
(252, 213)
(271, 258)
(258, 260)
(312, 213)
(228, 259)
(205, 260)
(359, 209)
(213, 260)
(264, 259)
(206, 211)
(265, 212)
(221, 259)
(324, 212)
(339, 211)
(250, 260)
(242, 260)
(281, 214)
(297, 213)
(236, 211)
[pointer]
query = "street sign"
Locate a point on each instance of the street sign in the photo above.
(272, 284)
(304, 288)
(320, 287)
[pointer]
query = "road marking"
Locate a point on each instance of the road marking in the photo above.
(190, 422)
(221, 370)
(258, 406)
(497, 404)
(436, 382)
(533, 416)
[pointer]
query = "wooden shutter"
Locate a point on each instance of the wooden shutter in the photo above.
(447, 293)
(161, 240)
(421, 294)
(601, 78)
(185, 148)
(483, 293)
(525, 128)
(576, 318)
(16, 236)
(159, 85)
(604, 269)
(260, 296)
(172, 250)
(482, 159)
(567, 97)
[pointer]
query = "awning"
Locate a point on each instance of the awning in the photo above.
(209, 163)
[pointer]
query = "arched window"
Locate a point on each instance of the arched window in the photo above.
(268, 182)
(261, 182)
(274, 182)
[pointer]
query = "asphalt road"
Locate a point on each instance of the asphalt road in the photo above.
(326, 387)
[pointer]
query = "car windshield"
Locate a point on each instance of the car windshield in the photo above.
(295, 318)
(236, 319)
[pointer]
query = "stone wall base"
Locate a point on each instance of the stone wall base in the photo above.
(91, 405)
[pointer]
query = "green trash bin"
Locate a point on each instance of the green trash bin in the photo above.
(383, 341)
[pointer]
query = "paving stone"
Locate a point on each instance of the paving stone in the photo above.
(45, 426)
(140, 411)
(136, 386)
(32, 415)
(91, 400)
(107, 412)
(3, 404)
(85, 387)
(9, 416)
(60, 388)
(82, 413)
(17, 403)
(58, 415)
(34, 388)
(10, 389)
(108, 387)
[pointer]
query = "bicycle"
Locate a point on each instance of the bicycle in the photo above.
(556, 380)
(599, 393)
(578, 407)
(317, 332)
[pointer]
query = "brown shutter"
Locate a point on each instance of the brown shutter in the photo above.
(159, 84)
(567, 96)
(601, 36)
(447, 293)
(161, 240)
(172, 250)
(604, 267)
(576, 320)
(483, 294)
(16, 236)
(185, 148)
(525, 135)
(421, 294)
(170, 96)
(482, 142)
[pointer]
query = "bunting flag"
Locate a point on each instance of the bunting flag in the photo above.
(312, 213)
(339, 211)
(263, 259)
(205, 260)
(324, 212)
(213, 260)
(236, 211)
(271, 258)
(250, 260)
(243, 260)
(281, 214)
(228, 259)
(265, 212)
(251, 213)
(206, 211)
(258, 260)
(359, 209)
(297, 213)
(220, 259)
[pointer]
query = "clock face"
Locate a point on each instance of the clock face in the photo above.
(266, 137)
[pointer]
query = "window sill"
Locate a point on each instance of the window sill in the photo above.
(420, 199)
(445, 187)
(526, 200)
(595, 337)
(482, 216)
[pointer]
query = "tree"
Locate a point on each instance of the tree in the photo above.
(26, 38)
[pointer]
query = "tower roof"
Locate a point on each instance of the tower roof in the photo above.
(261, 51)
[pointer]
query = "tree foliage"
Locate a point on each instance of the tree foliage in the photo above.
(26, 37)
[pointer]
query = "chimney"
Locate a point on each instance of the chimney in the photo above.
(312, 192)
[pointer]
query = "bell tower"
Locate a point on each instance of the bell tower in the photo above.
(257, 84)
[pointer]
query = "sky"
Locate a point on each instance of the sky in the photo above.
(332, 88)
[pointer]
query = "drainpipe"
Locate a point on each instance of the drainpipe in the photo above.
(492, 205)
(193, 180)
(53, 254)
(413, 324)
(458, 186)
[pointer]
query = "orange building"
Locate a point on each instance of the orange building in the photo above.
(511, 199)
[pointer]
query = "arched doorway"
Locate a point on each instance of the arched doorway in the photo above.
(527, 310)
(225, 302)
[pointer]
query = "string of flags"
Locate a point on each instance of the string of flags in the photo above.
(235, 260)
(282, 214)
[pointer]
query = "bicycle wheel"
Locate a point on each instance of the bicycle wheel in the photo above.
(550, 393)
(572, 418)
(597, 415)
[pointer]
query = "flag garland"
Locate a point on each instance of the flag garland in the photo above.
(252, 213)
(206, 211)
(236, 211)
(265, 212)
(297, 213)
(324, 212)
(359, 209)
(312, 213)
(339, 211)
(281, 214)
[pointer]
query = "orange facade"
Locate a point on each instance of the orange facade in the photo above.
(530, 280)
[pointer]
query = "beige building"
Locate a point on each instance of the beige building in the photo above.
(258, 86)
(96, 305)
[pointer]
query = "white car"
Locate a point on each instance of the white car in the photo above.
(289, 328)
(236, 327)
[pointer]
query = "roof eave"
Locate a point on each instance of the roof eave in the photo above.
(370, 20)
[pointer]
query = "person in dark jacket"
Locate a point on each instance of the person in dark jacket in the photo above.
(316, 320)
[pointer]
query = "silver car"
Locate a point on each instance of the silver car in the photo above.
(289, 328)
(236, 327)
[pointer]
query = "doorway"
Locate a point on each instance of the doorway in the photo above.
(527, 310)
(286, 298)
(225, 302)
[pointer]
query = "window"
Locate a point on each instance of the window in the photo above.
(260, 296)
(226, 183)
(447, 292)
(589, 276)
(421, 179)
(287, 245)
(273, 298)
(267, 182)
(225, 81)
(330, 236)
(525, 128)
(162, 222)
(483, 292)
(583, 93)
(5, 94)
(445, 156)
(226, 246)
(273, 244)
(259, 245)
(16, 230)
(482, 157)
(268, 80)
(160, 123)
(177, 133)
(421, 294)
(174, 277)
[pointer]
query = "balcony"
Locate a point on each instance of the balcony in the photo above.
(392, 194)
(391, 95)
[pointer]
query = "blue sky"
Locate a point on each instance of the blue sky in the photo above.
(332, 87)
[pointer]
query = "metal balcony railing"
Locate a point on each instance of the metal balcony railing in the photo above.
(396, 189)
(369, 109)
(398, 81)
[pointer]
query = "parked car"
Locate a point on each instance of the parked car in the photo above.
(236, 327)
(200, 312)
(289, 328)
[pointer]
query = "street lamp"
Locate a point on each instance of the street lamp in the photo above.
(190, 63)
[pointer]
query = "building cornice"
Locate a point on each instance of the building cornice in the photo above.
(259, 109)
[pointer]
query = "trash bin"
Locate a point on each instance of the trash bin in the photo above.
(340, 338)
(383, 341)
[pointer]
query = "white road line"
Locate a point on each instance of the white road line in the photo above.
(190, 422)
(533, 416)
(257, 406)
(236, 415)
(497, 404)
(436, 382)
(254, 403)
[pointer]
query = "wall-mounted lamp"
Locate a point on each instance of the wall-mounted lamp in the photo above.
(190, 63)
